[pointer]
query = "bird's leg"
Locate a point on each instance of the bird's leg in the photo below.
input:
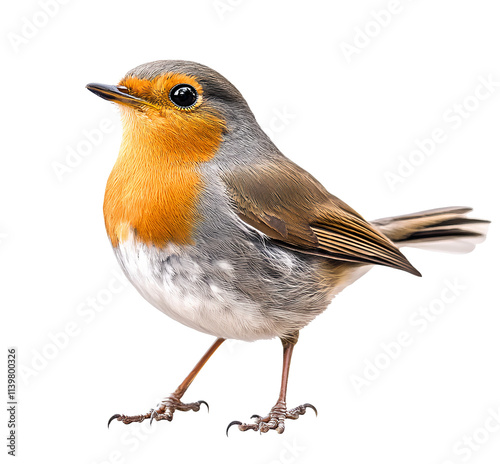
(275, 420)
(165, 410)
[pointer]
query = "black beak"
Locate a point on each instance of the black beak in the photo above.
(117, 94)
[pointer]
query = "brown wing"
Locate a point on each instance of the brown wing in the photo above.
(288, 205)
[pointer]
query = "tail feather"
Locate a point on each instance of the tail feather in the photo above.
(442, 229)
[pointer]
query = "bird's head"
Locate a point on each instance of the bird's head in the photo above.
(183, 107)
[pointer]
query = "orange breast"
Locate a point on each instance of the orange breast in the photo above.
(155, 184)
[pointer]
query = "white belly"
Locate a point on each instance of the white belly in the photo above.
(194, 291)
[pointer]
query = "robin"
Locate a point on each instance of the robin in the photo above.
(216, 228)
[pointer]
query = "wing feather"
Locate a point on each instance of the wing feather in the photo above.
(287, 204)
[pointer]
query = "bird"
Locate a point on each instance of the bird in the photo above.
(220, 231)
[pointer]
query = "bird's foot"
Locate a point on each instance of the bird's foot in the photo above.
(164, 411)
(275, 420)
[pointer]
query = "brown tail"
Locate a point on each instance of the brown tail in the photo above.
(442, 229)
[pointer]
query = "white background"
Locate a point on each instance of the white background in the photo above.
(353, 118)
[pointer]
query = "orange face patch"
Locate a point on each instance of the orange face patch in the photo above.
(155, 184)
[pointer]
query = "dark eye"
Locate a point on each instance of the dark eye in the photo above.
(183, 95)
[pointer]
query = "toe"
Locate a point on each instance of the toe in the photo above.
(281, 427)
(168, 416)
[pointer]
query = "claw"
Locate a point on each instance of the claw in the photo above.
(205, 403)
(309, 405)
(230, 425)
(255, 416)
(113, 418)
(153, 415)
